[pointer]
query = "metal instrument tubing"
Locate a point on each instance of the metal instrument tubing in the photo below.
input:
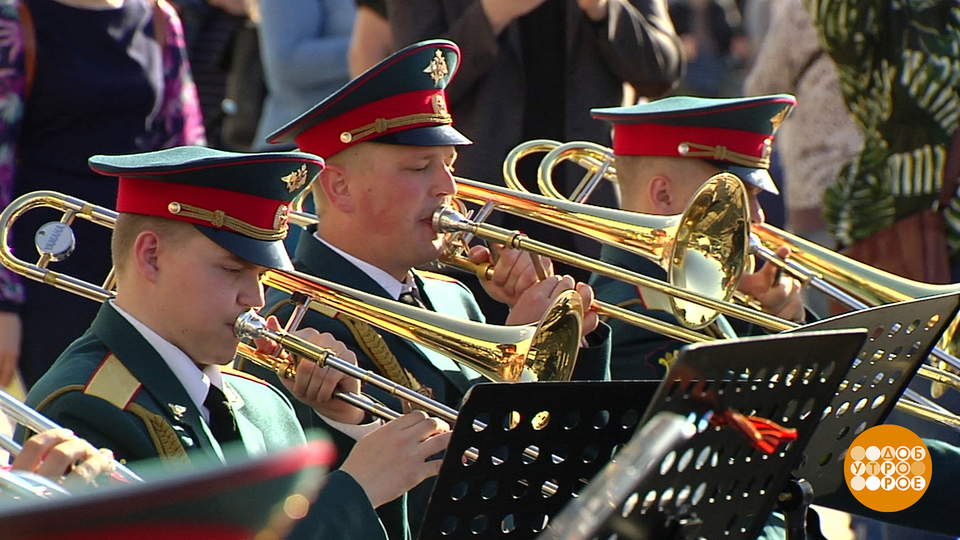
(915, 408)
(448, 220)
(364, 403)
(804, 275)
(252, 326)
(21, 414)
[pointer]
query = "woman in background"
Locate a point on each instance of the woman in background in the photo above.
(105, 77)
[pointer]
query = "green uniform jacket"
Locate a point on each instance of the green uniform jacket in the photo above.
(113, 389)
(636, 353)
(447, 380)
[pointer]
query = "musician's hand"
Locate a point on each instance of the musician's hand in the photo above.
(60, 455)
(315, 385)
(537, 299)
(596, 10)
(513, 272)
(10, 333)
(777, 294)
(392, 460)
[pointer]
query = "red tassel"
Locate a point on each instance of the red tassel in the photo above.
(764, 435)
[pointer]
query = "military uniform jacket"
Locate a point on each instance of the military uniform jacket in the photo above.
(445, 378)
(113, 389)
(636, 353)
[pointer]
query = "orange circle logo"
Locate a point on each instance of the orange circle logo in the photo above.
(887, 468)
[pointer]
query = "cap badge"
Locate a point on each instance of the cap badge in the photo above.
(281, 217)
(779, 117)
(439, 104)
(296, 179)
(437, 68)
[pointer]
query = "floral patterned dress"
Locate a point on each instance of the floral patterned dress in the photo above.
(899, 68)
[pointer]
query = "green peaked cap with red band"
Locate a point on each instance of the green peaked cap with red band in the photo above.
(735, 134)
(401, 100)
(240, 201)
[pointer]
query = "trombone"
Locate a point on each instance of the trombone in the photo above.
(601, 224)
(248, 325)
(543, 351)
(544, 345)
(846, 280)
(33, 485)
(836, 275)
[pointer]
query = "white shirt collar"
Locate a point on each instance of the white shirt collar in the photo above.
(389, 283)
(194, 380)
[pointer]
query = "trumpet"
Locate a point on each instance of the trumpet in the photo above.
(33, 485)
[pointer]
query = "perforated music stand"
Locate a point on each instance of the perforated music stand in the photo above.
(570, 428)
(901, 336)
(769, 376)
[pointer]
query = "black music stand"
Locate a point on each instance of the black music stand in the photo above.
(702, 483)
(901, 336)
(571, 429)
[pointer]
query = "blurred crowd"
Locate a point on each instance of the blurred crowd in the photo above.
(865, 146)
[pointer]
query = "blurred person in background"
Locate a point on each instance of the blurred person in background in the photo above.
(303, 45)
(372, 39)
(820, 136)
(533, 69)
(78, 78)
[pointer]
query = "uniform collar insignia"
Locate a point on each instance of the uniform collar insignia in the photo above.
(177, 410)
(437, 68)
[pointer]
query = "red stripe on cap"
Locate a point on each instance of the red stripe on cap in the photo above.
(323, 139)
(662, 140)
(150, 197)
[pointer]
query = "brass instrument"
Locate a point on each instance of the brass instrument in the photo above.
(855, 284)
(248, 324)
(546, 351)
(448, 220)
(31, 485)
(702, 250)
(484, 271)
(543, 351)
(851, 282)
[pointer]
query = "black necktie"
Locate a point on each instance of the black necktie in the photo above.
(222, 423)
(412, 297)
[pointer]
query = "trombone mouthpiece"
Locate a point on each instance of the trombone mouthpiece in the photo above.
(249, 325)
(448, 220)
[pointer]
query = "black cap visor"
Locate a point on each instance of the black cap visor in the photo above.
(269, 253)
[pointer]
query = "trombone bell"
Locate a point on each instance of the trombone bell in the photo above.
(703, 250)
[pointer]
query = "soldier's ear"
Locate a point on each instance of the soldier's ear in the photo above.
(334, 181)
(660, 193)
(145, 255)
